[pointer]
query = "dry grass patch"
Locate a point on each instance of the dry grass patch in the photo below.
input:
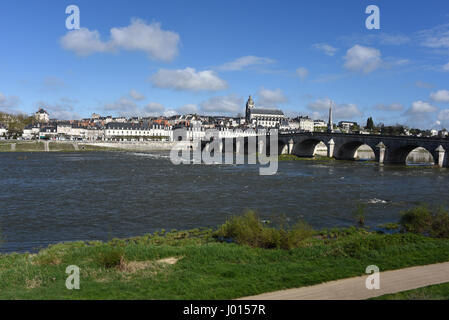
(33, 283)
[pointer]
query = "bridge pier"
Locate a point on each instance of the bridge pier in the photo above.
(330, 148)
(382, 149)
(220, 146)
(291, 143)
(261, 145)
(440, 151)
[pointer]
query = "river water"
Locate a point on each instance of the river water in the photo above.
(52, 197)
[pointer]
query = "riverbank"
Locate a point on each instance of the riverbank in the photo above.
(80, 146)
(204, 264)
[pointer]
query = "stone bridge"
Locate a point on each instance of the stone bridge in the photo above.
(387, 149)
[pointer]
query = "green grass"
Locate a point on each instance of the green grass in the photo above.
(38, 146)
(207, 268)
(435, 292)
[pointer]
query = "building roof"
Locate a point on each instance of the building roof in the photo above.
(276, 112)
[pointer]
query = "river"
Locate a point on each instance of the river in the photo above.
(52, 197)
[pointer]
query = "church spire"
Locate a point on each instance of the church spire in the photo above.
(330, 125)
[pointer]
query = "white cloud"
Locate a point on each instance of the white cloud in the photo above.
(444, 115)
(170, 113)
(435, 38)
(446, 67)
(125, 106)
(302, 73)
(421, 107)
(136, 95)
(364, 59)
(188, 109)
(84, 42)
(153, 108)
(60, 111)
(244, 62)
(320, 109)
(326, 48)
(8, 103)
(149, 38)
(188, 79)
(229, 104)
(138, 36)
(390, 107)
(440, 96)
(271, 98)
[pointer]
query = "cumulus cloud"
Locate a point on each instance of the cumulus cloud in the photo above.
(126, 107)
(390, 107)
(229, 104)
(363, 59)
(444, 115)
(302, 73)
(435, 38)
(271, 98)
(188, 79)
(320, 109)
(440, 96)
(8, 104)
(421, 107)
(325, 48)
(245, 62)
(59, 110)
(158, 44)
(136, 95)
(188, 109)
(446, 67)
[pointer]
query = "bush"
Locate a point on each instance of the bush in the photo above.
(110, 257)
(249, 230)
(421, 220)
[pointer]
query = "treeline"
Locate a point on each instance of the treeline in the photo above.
(15, 123)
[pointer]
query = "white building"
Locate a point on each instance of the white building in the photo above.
(136, 132)
(258, 117)
(42, 116)
(3, 131)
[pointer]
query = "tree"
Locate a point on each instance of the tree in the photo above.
(370, 123)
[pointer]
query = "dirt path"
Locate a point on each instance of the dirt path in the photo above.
(355, 288)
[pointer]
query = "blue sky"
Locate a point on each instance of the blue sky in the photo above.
(166, 57)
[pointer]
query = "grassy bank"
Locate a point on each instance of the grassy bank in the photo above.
(241, 258)
(39, 146)
(435, 292)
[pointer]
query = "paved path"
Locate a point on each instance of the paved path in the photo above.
(355, 289)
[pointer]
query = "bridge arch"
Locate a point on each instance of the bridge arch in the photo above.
(306, 148)
(353, 149)
(411, 154)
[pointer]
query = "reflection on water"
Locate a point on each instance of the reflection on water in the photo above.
(53, 197)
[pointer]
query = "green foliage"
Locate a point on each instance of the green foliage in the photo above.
(110, 256)
(422, 220)
(359, 214)
(249, 230)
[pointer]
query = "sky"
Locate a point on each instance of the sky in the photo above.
(148, 58)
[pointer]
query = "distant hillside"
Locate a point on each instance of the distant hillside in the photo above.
(15, 122)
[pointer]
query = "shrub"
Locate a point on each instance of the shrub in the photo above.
(110, 257)
(359, 214)
(421, 220)
(249, 230)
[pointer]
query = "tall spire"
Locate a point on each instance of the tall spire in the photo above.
(330, 125)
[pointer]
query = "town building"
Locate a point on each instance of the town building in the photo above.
(261, 117)
(42, 116)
